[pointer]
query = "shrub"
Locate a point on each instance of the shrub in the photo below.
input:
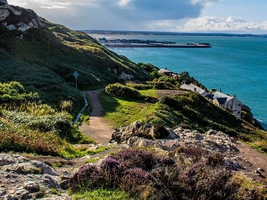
(145, 175)
(143, 159)
(111, 171)
(120, 90)
(86, 177)
(135, 180)
(215, 159)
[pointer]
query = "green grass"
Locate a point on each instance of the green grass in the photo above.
(150, 93)
(93, 160)
(185, 108)
(103, 194)
(124, 111)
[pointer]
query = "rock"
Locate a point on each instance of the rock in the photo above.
(31, 186)
(20, 193)
(211, 132)
(65, 183)
(11, 17)
(3, 2)
(50, 182)
(139, 142)
(260, 170)
(159, 132)
(6, 159)
(4, 13)
(2, 191)
(21, 178)
(46, 169)
(22, 168)
(172, 134)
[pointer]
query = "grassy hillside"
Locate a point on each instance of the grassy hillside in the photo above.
(181, 108)
(44, 59)
(38, 95)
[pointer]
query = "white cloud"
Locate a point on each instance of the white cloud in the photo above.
(230, 24)
(205, 2)
(124, 2)
(171, 15)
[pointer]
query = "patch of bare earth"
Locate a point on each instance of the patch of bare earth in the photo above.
(255, 162)
(98, 129)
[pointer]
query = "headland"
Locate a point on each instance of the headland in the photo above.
(136, 43)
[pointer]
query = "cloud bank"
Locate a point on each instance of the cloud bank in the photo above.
(106, 14)
(171, 15)
(230, 24)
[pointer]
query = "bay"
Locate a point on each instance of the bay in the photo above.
(236, 65)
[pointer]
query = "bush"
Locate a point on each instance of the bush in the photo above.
(120, 90)
(146, 175)
(143, 159)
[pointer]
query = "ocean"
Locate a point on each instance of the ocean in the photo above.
(234, 65)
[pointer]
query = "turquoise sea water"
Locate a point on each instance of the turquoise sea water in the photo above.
(236, 65)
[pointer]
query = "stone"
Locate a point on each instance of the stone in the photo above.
(31, 186)
(50, 182)
(2, 191)
(20, 194)
(65, 183)
(3, 2)
(4, 13)
(46, 169)
(22, 168)
(6, 159)
(211, 132)
(172, 134)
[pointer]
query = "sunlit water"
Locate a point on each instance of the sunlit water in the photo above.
(236, 65)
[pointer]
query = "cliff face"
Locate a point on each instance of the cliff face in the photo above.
(17, 18)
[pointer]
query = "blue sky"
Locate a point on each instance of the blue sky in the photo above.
(227, 16)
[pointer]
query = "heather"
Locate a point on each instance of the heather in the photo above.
(186, 173)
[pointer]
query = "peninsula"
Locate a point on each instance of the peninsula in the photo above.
(136, 43)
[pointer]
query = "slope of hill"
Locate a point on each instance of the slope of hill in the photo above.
(43, 56)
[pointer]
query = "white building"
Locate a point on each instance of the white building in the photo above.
(194, 88)
(230, 103)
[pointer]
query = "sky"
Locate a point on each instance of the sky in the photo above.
(223, 16)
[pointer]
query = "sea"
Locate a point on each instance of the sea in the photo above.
(234, 65)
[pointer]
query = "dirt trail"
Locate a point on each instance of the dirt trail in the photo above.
(98, 129)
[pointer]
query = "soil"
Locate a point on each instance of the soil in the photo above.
(98, 129)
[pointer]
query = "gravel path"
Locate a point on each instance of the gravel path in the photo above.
(98, 129)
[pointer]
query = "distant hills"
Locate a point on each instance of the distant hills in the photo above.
(43, 56)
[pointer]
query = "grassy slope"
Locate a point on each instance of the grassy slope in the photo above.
(45, 59)
(187, 108)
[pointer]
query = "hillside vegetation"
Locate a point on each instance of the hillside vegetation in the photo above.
(44, 59)
(177, 108)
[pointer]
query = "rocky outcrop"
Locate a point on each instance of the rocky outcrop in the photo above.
(16, 18)
(3, 2)
(21, 178)
(209, 142)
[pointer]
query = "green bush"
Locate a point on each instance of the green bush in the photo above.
(120, 90)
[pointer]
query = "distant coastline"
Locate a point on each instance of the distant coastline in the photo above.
(114, 32)
(136, 43)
